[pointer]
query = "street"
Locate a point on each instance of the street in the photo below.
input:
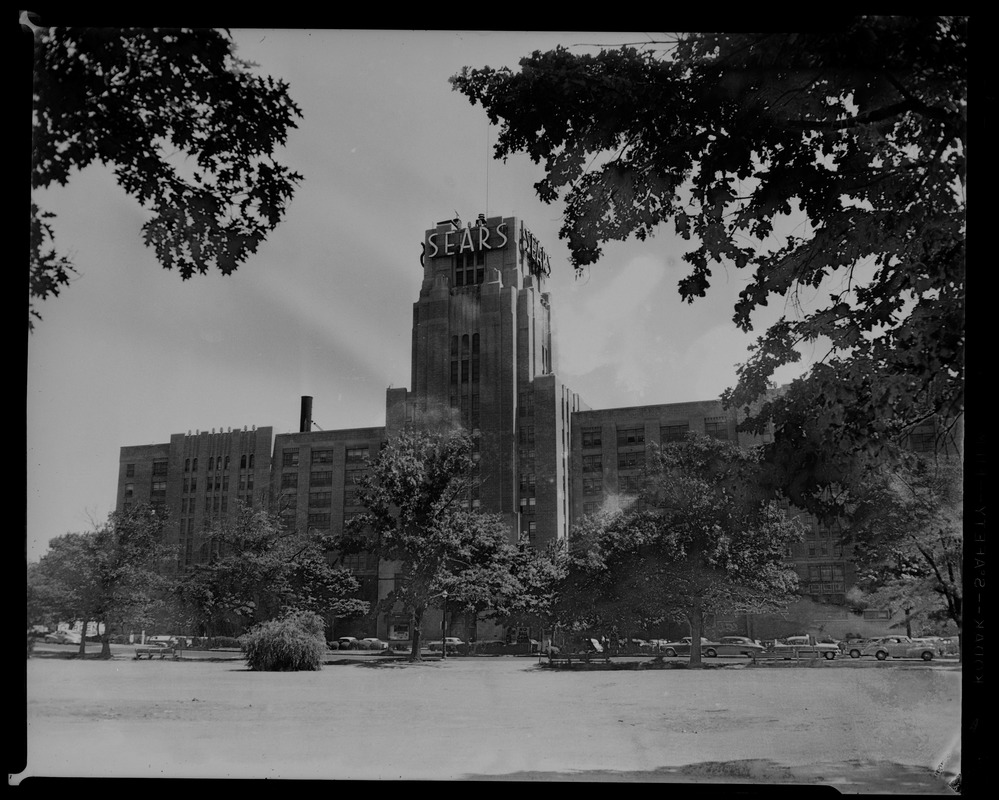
(497, 718)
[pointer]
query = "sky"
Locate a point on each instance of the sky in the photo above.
(129, 354)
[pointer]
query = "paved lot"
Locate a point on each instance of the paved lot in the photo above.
(892, 729)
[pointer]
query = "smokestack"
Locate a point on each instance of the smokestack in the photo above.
(306, 423)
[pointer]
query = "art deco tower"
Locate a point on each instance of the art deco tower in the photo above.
(483, 358)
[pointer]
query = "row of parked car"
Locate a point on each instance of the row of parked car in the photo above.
(885, 647)
(880, 648)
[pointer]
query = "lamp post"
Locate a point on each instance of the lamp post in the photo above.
(444, 627)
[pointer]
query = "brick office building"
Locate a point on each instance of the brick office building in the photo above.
(484, 357)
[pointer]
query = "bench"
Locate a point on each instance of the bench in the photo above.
(567, 659)
(149, 652)
(595, 653)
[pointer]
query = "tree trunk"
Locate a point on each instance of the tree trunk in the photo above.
(414, 654)
(106, 642)
(696, 619)
(83, 640)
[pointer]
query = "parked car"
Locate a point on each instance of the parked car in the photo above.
(901, 647)
(347, 642)
(853, 647)
(682, 647)
(804, 645)
(947, 645)
(373, 643)
(62, 637)
(452, 643)
(737, 646)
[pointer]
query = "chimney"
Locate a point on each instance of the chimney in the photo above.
(306, 424)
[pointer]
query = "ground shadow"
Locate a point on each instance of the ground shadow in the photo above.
(762, 775)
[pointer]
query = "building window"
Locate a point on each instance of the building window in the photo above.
(356, 455)
(289, 458)
(528, 483)
(289, 480)
(187, 465)
(130, 470)
(674, 433)
(629, 484)
(129, 490)
(591, 508)
(320, 499)
(922, 440)
(319, 521)
(160, 467)
(322, 456)
(591, 437)
(592, 464)
(527, 505)
(527, 434)
(526, 404)
(629, 436)
(226, 465)
(634, 460)
(592, 486)
(251, 460)
(717, 428)
(321, 478)
(242, 461)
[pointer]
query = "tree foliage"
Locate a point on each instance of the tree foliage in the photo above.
(416, 499)
(830, 162)
(907, 534)
(188, 128)
(109, 576)
(703, 538)
(259, 570)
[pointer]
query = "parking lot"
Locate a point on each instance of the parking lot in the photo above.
(860, 725)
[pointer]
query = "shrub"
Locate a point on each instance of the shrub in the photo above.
(333, 645)
(294, 642)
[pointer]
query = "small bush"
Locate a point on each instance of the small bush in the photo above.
(333, 645)
(292, 643)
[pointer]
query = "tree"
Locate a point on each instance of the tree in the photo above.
(189, 130)
(533, 581)
(703, 538)
(907, 530)
(256, 570)
(109, 576)
(854, 133)
(416, 495)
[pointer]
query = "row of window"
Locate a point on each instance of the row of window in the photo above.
(353, 455)
(627, 460)
(716, 427)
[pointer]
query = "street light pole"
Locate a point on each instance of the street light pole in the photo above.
(444, 626)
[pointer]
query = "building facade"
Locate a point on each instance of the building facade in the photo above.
(484, 358)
